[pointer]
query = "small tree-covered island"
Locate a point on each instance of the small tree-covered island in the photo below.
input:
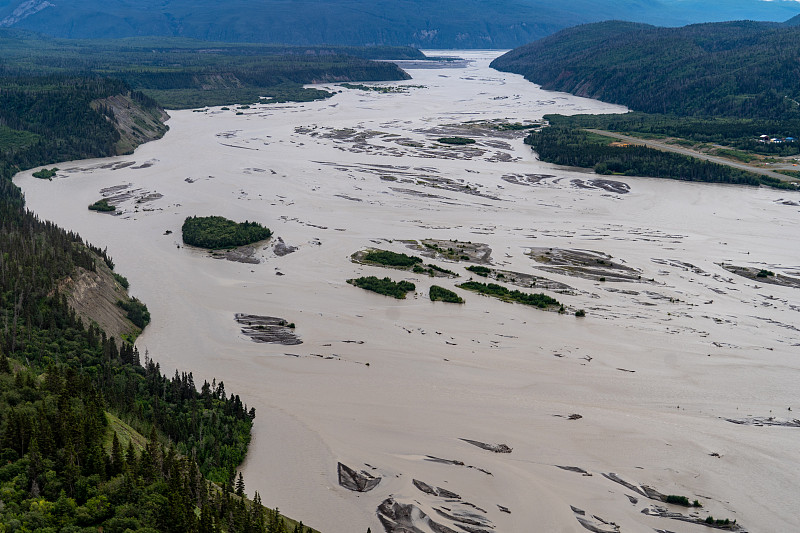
(217, 232)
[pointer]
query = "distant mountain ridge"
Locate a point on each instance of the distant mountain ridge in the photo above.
(420, 23)
(745, 69)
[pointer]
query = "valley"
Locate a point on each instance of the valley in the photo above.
(483, 416)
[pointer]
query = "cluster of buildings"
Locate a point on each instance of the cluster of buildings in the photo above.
(775, 140)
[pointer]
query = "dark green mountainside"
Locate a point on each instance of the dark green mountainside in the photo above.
(742, 69)
(421, 23)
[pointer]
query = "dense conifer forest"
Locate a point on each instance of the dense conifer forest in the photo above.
(734, 69)
(184, 73)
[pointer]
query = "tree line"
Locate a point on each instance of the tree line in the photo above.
(566, 145)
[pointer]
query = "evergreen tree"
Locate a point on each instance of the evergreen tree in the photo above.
(240, 485)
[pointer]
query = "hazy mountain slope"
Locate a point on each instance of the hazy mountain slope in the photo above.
(732, 68)
(422, 23)
(794, 21)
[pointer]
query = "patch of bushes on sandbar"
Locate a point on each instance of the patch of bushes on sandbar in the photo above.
(217, 232)
(719, 523)
(387, 258)
(681, 500)
(385, 286)
(542, 301)
(480, 270)
(403, 261)
(450, 253)
(441, 294)
(103, 206)
(456, 140)
(431, 270)
(45, 174)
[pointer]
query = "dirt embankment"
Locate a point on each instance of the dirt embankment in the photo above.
(135, 123)
(94, 296)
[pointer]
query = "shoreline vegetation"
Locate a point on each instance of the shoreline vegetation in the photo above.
(216, 233)
(573, 146)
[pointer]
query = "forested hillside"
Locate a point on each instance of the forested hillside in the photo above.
(91, 436)
(421, 23)
(737, 69)
(181, 73)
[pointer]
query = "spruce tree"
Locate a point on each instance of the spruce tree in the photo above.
(240, 486)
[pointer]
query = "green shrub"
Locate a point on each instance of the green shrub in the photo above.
(580, 313)
(456, 140)
(442, 270)
(437, 293)
(385, 286)
(765, 273)
(122, 280)
(136, 312)
(45, 174)
(385, 257)
(102, 206)
(216, 232)
(480, 270)
(539, 300)
(678, 500)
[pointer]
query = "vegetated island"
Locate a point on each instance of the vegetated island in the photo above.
(45, 174)
(686, 88)
(762, 275)
(385, 286)
(453, 250)
(215, 232)
(103, 206)
(440, 294)
(384, 89)
(540, 300)
(399, 261)
(456, 140)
